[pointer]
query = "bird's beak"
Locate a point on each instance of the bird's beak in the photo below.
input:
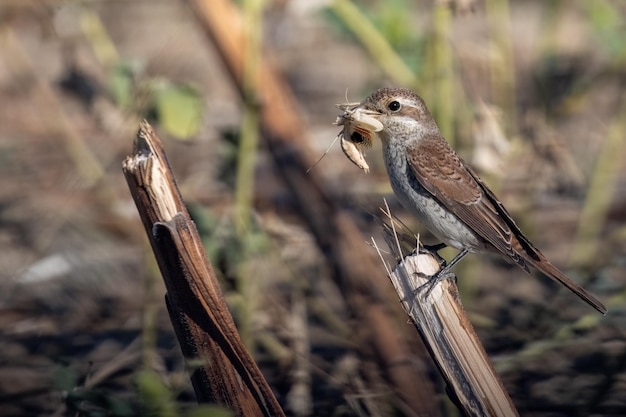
(360, 117)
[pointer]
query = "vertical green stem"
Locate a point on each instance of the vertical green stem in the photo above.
(441, 75)
(244, 183)
(101, 43)
(149, 314)
(503, 69)
(600, 192)
(551, 18)
(607, 167)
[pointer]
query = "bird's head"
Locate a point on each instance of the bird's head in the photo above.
(401, 112)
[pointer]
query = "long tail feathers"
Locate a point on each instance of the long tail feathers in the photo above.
(553, 272)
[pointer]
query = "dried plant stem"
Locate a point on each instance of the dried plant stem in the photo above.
(445, 328)
(225, 371)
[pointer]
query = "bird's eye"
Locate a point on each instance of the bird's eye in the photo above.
(394, 106)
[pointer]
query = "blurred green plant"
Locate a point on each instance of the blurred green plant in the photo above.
(439, 72)
(122, 83)
(89, 402)
(65, 378)
(96, 403)
(502, 70)
(152, 398)
(393, 20)
(177, 108)
(600, 194)
(155, 398)
(247, 285)
(236, 259)
(351, 19)
(209, 411)
(248, 143)
(420, 60)
(94, 30)
(607, 23)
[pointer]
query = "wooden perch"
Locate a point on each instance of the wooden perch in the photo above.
(446, 330)
(225, 373)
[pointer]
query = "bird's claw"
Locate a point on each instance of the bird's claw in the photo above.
(433, 280)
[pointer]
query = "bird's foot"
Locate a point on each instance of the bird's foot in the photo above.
(443, 274)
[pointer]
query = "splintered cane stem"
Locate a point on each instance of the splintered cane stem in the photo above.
(224, 371)
(442, 323)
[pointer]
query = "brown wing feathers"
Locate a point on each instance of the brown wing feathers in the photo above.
(455, 187)
(462, 192)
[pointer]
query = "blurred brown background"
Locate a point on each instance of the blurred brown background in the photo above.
(530, 92)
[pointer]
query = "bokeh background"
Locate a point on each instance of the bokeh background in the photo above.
(530, 92)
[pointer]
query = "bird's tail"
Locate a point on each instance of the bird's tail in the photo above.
(553, 272)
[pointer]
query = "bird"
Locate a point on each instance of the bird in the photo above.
(443, 192)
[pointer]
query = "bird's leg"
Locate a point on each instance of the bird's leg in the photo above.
(442, 274)
(434, 250)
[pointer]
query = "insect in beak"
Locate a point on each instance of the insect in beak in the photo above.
(359, 131)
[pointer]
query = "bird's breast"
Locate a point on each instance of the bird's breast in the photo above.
(430, 212)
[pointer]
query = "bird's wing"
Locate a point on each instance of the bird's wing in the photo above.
(441, 172)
